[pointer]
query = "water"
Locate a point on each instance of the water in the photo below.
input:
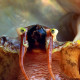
(20, 13)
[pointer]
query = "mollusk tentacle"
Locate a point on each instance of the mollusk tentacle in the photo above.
(50, 47)
(25, 43)
(22, 54)
(47, 43)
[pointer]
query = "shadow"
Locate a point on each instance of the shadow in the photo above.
(67, 27)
